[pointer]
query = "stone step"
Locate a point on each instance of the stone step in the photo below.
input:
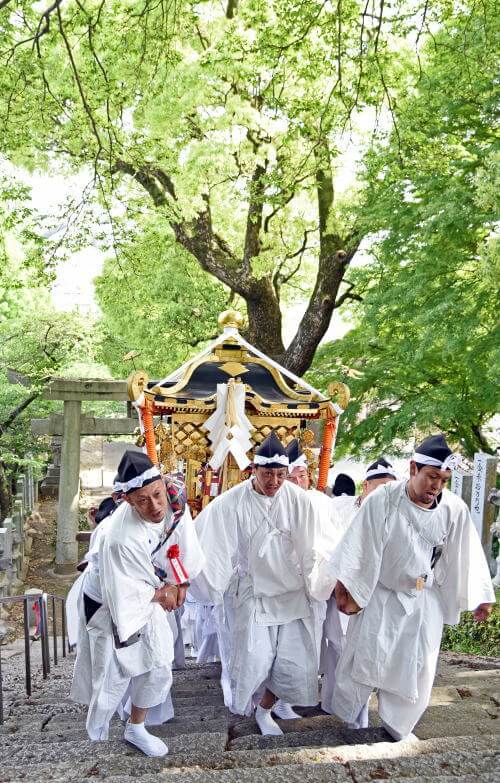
(200, 687)
(330, 773)
(326, 736)
(148, 773)
(60, 729)
(205, 698)
(30, 752)
(71, 724)
(208, 750)
(465, 718)
(44, 738)
(243, 727)
(449, 764)
(47, 708)
(83, 759)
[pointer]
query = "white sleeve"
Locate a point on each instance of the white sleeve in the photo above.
(216, 527)
(462, 574)
(358, 558)
(314, 540)
(128, 585)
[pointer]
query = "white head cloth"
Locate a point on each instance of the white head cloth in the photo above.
(281, 459)
(380, 470)
(137, 481)
(300, 462)
(451, 462)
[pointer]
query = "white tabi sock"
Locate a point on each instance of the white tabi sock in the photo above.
(284, 711)
(396, 735)
(265, 722)
(136, 734)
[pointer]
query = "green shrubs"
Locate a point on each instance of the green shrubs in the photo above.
(474, 638)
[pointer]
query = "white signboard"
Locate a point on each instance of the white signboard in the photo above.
(457, 482)
(478, 490)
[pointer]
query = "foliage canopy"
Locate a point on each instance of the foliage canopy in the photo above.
(225, 121)
(424, 354)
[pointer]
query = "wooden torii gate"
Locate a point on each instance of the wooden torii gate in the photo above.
(71, 426)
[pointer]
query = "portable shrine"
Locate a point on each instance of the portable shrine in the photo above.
(206, 417)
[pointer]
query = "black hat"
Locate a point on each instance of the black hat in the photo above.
(343, 485)
(296, 457)
(105, 508)
(380, 469)
(135, 471)
(435, 452)
(271, 453)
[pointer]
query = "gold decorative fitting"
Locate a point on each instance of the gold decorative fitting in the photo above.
(234, 368)
(161, 430)
(339, 393)
(230, 318)
(136, 383)
(306, 437)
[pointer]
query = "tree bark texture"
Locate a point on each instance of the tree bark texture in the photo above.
(261, 294)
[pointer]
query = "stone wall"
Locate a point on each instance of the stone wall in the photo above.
(15, 541)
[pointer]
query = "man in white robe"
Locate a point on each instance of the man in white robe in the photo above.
(410, 561)
(74, 598)
(141, 578)
(268, 530)
(331, 524)
(345, 508)
(332, 531)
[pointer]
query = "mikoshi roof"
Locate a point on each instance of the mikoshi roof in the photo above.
(269, 388)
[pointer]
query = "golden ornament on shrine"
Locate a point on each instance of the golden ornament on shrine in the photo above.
(136, 383)
(230, 318)
(339, 393)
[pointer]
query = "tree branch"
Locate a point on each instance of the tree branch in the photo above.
(17, 411)
(232, 7)
(254, 218)
(86, 106)
(347, 295)
(148, 179)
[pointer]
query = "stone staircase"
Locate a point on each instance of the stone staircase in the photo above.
(44, 738)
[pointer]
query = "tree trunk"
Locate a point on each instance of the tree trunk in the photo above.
(262, 298)
(472, 438)
(480, 441)
(333, 262)
(264, 319)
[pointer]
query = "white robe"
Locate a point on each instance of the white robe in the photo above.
(393, 643)
(72, 612)
(332, 531)
(208, 649)
(342, 511)
(278, 549)
(88, 581)
(108, 676)
(225, 623)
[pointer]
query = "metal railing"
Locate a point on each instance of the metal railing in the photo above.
(42, 602)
